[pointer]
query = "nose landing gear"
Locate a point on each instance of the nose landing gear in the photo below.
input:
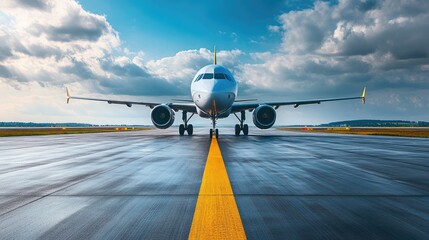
(214, 130)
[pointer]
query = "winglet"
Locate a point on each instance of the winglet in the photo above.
(215, 62)
(68, 95)
(363, 95)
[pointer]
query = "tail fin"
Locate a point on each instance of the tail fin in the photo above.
(363, 95)
(215, 62)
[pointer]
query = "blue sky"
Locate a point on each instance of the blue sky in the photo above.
(163, 28)
(150, 50)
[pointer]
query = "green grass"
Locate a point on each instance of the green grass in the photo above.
(421, 132)
(51, 131)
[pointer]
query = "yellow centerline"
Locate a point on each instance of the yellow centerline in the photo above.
(216, 214)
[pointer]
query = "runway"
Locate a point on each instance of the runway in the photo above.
(145, 185)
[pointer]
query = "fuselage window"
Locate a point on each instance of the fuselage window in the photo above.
(199, 77)
(219, 76)
(208, 76)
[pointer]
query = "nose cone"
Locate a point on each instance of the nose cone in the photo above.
(214, 96)
(214, 103)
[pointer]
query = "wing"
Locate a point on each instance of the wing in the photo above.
(246, 100)
(189, 107)
(250, 106)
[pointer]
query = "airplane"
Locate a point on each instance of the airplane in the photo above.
(214, 96)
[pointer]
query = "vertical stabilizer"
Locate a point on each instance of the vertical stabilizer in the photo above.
(215, 62)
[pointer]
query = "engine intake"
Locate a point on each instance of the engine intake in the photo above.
(264, 116)
(162, 116)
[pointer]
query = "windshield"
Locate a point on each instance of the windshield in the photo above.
(219, 76)
(215, 76)
(208, 76)
(199, 77)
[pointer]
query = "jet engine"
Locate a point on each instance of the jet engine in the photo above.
(264, 116)
(162, 116)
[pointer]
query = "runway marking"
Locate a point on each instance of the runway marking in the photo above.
(216, 214)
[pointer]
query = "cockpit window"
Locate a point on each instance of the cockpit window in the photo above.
(215, 76)
(208, 76)
(199, 77)
(219, 76)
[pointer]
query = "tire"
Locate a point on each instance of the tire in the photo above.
(217, 133)
(246, 129)
(190, 130)
(181, 129)
(211, 133)
(237, 129)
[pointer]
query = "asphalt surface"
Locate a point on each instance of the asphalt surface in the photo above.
(145, 185)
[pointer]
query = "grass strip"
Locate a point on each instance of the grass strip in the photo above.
(421, 132)
(52, 131)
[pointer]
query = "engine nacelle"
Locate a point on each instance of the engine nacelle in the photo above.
(264, 116)
(162, 116)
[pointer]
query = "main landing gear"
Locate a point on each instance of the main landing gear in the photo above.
(186, 127)
(241, 127)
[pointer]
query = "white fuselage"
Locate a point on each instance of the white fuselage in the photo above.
(213, 90)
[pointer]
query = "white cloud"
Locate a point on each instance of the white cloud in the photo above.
(304, 30)
(183, 66)
(60, 43)
(349, 40)
(331, 49)
(353, 28)
(55, 43)
(234, 37)
(274, 28)
(41, 42)
(33, 102)
(37, 4)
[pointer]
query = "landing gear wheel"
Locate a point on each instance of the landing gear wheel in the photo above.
(237, 129)
(241, 127)
(217, 133)
(181, 129)
(246, 129)
(211, 133)
(190, 129)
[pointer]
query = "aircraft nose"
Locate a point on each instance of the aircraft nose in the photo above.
(214, 102)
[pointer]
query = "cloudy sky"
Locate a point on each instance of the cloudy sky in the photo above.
(150, 50)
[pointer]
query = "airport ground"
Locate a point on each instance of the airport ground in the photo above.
(146, 185)
(381, 131)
